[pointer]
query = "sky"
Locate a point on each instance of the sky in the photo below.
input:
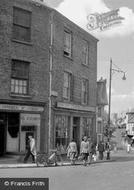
(116, 43)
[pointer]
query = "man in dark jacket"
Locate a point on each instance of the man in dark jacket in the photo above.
(31, 150)
(101, 150)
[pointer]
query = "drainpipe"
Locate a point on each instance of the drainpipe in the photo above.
(50, 81)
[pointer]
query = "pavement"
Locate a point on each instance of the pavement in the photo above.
(10, 161)
(116, 174)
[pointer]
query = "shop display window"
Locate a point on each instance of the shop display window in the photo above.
(61, 131)
(86, 123)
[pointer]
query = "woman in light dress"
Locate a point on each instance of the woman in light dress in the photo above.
(72, 151)
(84, 150)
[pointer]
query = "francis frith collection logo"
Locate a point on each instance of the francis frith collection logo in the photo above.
(104, 21)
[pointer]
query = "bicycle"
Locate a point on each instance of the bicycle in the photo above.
(47, 160)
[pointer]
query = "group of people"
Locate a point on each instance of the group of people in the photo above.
(88, 150)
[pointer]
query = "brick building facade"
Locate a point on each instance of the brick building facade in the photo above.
(48, 71)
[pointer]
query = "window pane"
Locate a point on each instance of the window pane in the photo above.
(12, 88)
(20, 69)
(85, 53)
(84, 90)
(12, 81)
(24, 83)
(16, 89)
(20, 82)
(65, 92)
(21, 33)
(20, 89)
(25, 87)
(18, 86)
(21, 24)
(16, 82)
(67, 42)
(66, 85)
(21, 17)
(66, 79)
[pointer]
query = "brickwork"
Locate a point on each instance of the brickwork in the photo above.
(37, 53)
(74, 64)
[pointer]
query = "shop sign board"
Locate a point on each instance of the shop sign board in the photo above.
(13, 107)
(75, 107)
(30, 119)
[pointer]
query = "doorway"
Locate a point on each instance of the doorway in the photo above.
(3, 127)
(12, 143)
(76, 131)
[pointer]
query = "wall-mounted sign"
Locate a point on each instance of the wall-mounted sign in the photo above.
(30, 119)
(103, 21)
(12, 107)
(28, 128)
(75, 107)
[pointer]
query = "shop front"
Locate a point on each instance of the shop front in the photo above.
(71, 124)
(16, 123)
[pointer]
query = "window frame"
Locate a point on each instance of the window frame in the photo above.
(67, 87)
(85, 53)
(86, 91)
(27, 28)
(22, 89)
(68, 53)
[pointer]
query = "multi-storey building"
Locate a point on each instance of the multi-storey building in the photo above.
(48, 69)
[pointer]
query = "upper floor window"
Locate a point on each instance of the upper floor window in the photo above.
(68, 86)
(21, 24)
(67, 43)
(85, 88)
(85, 53)
(19, 77)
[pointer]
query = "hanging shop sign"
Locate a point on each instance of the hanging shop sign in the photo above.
(104, 21)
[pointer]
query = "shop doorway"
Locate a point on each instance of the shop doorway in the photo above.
(12, 145)
(2, 133)
(76, 131)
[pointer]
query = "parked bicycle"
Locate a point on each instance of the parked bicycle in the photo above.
(48, 160)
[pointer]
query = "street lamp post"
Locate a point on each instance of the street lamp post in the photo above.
(109, 107)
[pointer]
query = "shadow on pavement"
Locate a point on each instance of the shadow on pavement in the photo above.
(123, 158)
